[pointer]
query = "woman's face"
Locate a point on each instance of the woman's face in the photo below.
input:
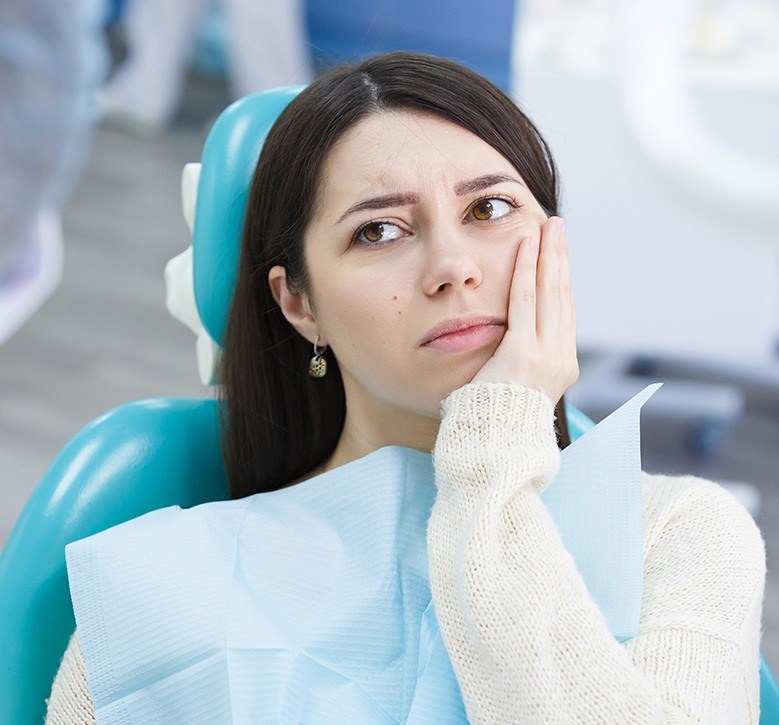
(383, 275)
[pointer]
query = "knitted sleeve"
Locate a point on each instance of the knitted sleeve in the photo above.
(70, 702)
(527, 642)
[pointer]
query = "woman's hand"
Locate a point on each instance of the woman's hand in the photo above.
(539, 347)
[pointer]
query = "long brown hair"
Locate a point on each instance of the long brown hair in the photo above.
(278, 422)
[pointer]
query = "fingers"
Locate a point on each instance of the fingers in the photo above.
(568, 319)
(522, 298)
(565, 271)
(566, 297)
(541, 303)
(549, 282)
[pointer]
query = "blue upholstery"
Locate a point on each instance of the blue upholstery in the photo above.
(150, 453)
(136, 458)
(229, 157)
(769, 694)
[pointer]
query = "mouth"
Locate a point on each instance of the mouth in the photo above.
(469, 338)
(459, 324)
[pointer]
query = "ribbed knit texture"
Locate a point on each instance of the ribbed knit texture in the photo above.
(526, 641)
(70, 702)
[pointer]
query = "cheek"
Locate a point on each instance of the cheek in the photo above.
(510, 232)
(531, 223)
(528, 225)
(370, 339)
(365, 317)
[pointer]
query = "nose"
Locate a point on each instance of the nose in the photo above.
(451, 260)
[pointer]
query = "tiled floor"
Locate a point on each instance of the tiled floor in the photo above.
(105, 337)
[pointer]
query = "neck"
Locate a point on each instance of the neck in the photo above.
(371, 424)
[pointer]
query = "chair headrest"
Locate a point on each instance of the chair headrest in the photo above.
(228, 162)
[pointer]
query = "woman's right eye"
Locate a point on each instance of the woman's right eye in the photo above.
(371, 234)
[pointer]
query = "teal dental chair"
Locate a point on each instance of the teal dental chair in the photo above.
(151, 453)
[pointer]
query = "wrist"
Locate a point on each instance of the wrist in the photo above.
(496, 431)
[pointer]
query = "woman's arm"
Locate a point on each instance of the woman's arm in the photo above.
(70, 702)
(527, 642)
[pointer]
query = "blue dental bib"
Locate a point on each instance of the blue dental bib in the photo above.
(311, 604)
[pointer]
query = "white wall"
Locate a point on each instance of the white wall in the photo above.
(674, 239)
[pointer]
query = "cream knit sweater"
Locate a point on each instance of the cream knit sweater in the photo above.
(526, 641)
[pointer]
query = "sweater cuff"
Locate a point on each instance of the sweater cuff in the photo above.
(496, 431)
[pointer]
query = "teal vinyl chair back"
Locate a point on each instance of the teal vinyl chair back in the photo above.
(135, 458)
(151, 453)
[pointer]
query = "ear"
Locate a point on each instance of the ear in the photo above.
(295, 308)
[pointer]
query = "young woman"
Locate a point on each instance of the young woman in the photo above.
(403, 221)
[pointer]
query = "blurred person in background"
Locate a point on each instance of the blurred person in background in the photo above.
(266, 48)
(52, 57)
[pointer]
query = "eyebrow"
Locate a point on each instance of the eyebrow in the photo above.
(406, 198)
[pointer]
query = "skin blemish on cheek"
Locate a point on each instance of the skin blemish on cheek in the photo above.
(394, 297)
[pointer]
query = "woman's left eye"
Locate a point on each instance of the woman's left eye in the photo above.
(486, 210)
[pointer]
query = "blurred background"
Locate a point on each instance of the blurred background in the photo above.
(662, 118)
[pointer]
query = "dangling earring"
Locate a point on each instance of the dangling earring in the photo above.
(317, 367)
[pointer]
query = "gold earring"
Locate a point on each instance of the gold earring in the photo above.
(317, 367)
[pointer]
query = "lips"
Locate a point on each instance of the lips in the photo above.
(456, 324)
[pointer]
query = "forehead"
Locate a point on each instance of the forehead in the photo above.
(401, 150)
